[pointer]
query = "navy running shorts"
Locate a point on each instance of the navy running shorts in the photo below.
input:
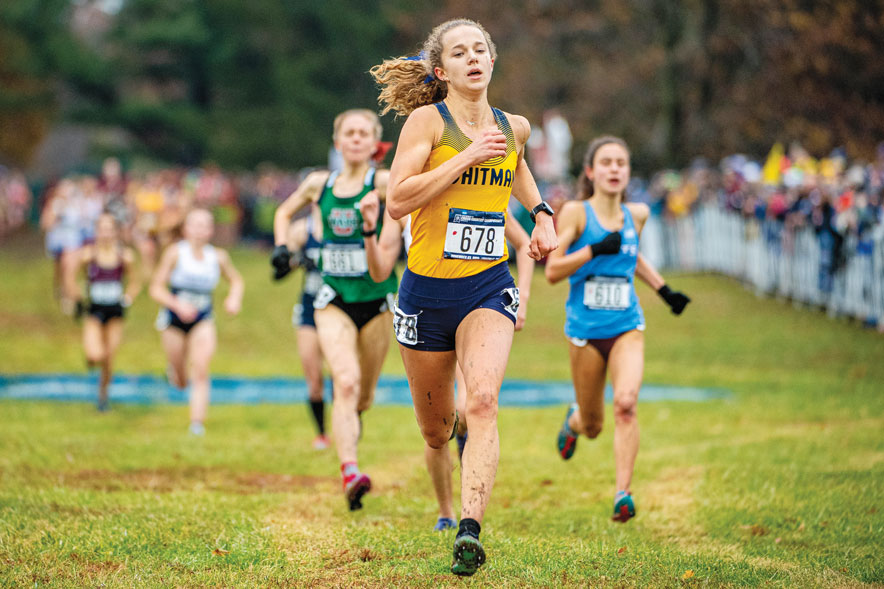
(167, 318)
(429, 310)
(302, 313)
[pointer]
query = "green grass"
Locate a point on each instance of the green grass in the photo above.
(780, 485)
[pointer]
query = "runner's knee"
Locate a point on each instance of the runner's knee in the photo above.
(481, 405)
(364, 404)
(179, 380)
(592, 428)
(625, 405)
(347, 387)
(435, 437)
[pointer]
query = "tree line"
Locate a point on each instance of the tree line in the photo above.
(241, 83)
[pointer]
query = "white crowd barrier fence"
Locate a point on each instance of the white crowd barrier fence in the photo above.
(794, 264)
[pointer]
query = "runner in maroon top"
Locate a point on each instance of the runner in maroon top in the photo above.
(107, 263)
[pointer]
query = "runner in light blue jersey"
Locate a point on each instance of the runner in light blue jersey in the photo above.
(598, 237)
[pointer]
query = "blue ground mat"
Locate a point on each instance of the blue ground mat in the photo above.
(147, 389)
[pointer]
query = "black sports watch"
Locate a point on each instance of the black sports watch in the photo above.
(543, 207)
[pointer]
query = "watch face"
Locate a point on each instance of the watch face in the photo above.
(543, 207)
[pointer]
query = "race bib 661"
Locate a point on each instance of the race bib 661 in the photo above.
(344, 259)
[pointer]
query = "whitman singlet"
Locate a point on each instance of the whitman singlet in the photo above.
(461, 231)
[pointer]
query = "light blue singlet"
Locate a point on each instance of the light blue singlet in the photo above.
(602, 302)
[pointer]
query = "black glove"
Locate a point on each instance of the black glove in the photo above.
(280, 259)
(307, 263)
(608, 246)
(677, 301)
(79, 309)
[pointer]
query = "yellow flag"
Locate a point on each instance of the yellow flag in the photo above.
(770, 174)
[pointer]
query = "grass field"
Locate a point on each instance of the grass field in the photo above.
(780, 485)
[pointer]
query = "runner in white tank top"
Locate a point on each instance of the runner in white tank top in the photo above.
(183, 284)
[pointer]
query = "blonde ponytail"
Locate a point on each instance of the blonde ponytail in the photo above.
(408, 83)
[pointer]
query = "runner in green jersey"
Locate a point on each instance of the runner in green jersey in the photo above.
(352, 312)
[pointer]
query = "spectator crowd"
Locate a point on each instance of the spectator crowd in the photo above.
(813, 230)
(838, 199)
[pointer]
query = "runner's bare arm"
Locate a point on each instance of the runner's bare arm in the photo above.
(233, 301)
(133, 276)
(543, 237)
(647, 273)
(381, 182)
(571, 220)
(383, 251)
(307, 192)
(72, 270)
(297, 235)
(159, 289)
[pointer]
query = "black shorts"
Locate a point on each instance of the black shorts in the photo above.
(167, 318)
(360, 313)
(105, 313)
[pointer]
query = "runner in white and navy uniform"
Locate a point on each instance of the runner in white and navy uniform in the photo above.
(193, 280)
(599, 235)
(183, 284)
(306, 249)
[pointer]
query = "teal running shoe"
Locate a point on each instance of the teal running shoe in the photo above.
(567, 440)
(468, 555)
(444, 523)
(624, 507)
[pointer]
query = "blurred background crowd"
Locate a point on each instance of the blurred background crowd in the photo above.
(776, 200)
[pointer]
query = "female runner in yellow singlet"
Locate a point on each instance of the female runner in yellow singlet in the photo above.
(457, 163)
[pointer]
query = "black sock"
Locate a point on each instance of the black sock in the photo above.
(318, 408)
(469, 526)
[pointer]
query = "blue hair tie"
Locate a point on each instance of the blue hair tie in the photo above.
(420, 57)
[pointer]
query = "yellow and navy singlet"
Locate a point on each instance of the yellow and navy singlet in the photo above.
(461, 231)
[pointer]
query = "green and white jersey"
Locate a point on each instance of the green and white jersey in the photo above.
(343, 263)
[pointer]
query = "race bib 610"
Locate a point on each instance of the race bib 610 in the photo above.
(607, 293)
